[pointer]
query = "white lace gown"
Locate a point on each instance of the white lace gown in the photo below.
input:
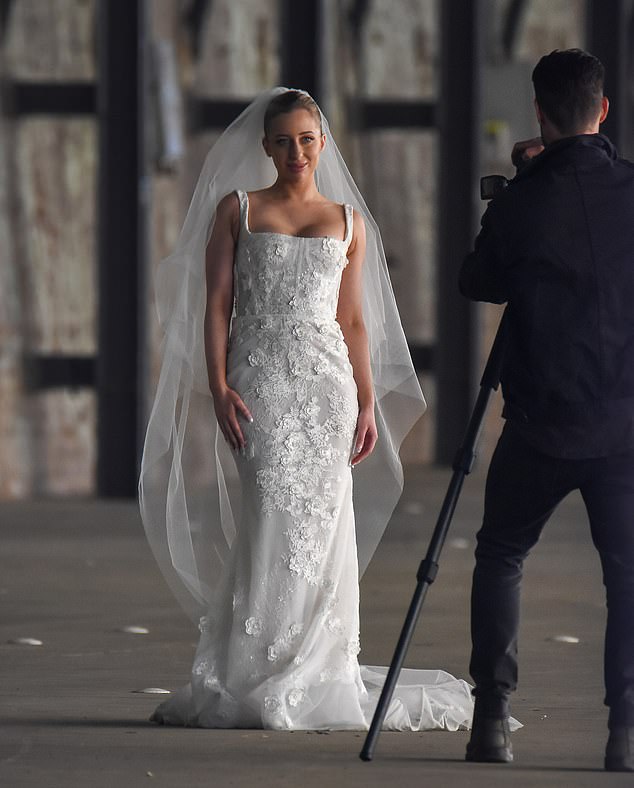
(279, 649)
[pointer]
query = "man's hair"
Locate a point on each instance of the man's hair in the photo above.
(569, 88)
(287, 102)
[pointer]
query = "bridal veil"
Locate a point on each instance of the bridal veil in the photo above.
(188, 488)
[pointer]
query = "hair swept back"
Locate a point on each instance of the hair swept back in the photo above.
(287, 102)
(569, 88)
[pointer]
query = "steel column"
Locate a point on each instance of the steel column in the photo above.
(609, 31)
(459, 135)
(118, 247)
(301, 28)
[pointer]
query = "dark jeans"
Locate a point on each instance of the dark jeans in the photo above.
(523, 488)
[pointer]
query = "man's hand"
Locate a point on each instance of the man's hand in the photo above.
(525, 150)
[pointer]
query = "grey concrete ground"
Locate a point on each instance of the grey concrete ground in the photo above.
(72, 574)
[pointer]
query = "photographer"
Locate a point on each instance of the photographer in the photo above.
(558, 246)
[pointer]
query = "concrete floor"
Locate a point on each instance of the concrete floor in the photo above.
(73, 573)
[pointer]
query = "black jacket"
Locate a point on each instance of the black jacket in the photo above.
(558, 245)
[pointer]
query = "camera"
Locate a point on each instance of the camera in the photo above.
(492, 185)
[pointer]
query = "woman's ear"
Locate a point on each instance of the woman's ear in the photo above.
(265, 145)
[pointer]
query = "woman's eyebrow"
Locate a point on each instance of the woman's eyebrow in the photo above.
(301, 134)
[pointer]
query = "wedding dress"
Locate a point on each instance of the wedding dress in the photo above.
(279, 647)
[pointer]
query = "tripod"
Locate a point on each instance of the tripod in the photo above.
(427, 571)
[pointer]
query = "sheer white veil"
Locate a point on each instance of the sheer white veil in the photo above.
(188, 490)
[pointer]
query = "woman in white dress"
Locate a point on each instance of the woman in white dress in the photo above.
(291, 283)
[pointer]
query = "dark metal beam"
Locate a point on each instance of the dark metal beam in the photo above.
(301, 28)
(52, 98)
(376, 114)
(357, 15)
(145, 169)
(5, 13)
(193, 20)
(58, 371)
(607, 38)
(118, 244)
(422, 356)
(511, 27)
(628, 147)
(456, 347)
(204, 114)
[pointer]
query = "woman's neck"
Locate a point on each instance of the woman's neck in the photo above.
(297, 192)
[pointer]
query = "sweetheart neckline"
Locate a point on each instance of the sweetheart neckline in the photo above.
(290, 235)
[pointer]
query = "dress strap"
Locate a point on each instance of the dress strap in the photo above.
(349, 223)
(244, 207)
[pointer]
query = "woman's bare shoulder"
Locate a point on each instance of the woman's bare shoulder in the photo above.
(228, 209)
(260, 194)
(228, 204)
(330, 204)
(228, 215)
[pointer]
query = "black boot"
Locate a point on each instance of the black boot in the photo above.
(490, 737)
(619, 751)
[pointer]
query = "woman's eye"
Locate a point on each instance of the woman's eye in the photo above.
(285, 141)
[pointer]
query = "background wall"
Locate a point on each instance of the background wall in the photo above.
(48, 175)
(48, 297)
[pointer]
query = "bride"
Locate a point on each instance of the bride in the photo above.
(276, 306)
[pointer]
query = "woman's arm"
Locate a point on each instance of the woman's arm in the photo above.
(350, 318)
(219, 273)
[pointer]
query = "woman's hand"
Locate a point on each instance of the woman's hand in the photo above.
(228, 404)
(365, 437)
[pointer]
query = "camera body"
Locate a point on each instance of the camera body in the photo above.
(492, 185)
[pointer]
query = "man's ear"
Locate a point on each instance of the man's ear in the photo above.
(605, 108)
(541, 119)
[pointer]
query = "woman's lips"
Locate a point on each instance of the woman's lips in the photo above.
(296, 167)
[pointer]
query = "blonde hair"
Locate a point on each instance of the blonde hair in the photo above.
(287, 102)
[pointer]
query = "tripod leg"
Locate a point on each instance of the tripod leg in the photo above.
(428, 568)
(425, 576)
(393, 673)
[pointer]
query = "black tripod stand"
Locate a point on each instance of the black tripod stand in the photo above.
(428, 569)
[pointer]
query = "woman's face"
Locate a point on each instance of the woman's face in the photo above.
(294, 142)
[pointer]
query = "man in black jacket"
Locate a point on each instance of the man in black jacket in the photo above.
(558, 246)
